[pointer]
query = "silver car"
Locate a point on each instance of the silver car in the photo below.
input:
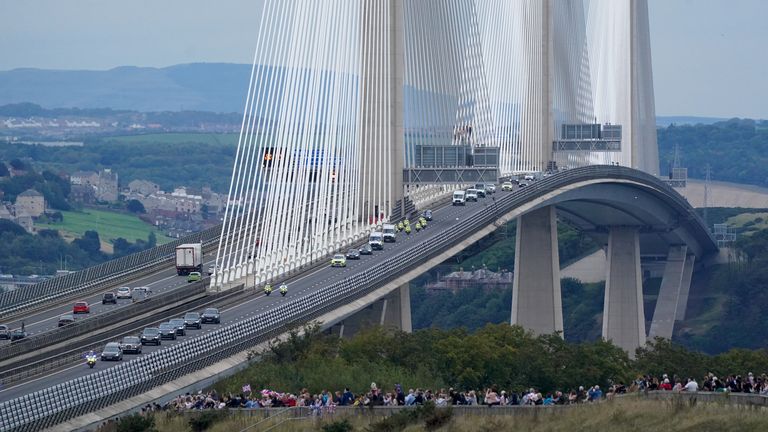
(131, 344)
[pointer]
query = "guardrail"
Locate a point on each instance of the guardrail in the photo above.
(100, 276)
(103, 388)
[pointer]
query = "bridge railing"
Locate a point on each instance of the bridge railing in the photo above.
(96, 277)
(103, 388)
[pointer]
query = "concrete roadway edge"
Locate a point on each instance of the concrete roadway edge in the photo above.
(205, 377)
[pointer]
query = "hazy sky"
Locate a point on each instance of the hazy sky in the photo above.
(709, 56)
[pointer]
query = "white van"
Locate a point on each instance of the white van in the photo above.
(376, 240)
(472, 194)
(459, 198)
(389, 232)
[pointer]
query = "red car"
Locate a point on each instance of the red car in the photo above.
(81, 307)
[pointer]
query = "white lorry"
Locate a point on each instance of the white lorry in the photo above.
(390, 233)
(189, 258)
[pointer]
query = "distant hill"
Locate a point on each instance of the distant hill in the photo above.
(664, 121)
(213, 87)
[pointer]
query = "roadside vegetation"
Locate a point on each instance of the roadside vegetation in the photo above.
(627, 414)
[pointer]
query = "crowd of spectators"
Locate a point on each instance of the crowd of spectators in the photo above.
(326, 401)
(711, 383)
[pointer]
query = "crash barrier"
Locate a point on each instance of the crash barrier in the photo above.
(92, 326)
(106, 387)
(99, 276)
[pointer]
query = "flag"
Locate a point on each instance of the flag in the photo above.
(247, 388)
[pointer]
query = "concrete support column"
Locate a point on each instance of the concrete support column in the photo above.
(623, 315)
(536, 302)
(666, 305)
(685, 287)
(391, 311)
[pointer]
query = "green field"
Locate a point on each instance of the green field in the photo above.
(749, 222)
(109, 225)
(176, 138)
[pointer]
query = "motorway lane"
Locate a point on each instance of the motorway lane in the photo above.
(47, 320)
(317, 280)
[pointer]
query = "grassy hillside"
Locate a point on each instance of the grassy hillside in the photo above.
(109, 225)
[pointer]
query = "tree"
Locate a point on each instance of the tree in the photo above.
(89, 242)
(18, 165)
(11, 227)
(135, 206)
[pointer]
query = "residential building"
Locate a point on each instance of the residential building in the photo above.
(30, 202)
(143, 187)
(107, 187)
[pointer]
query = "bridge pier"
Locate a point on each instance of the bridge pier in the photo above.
(536, 301)
(669, 293)
(685, 287)
(623, 315)
(391, 311)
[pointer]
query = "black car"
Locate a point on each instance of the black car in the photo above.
(18, 334)
(366, 249)
(109, 297)
(353, 254)
(150, 335)
(211, 316)
(112, 351)
(66, 319)
(167, 331)
(192, 319)
(131, 344)
(181, 330)
(5, 332)
(428, 215)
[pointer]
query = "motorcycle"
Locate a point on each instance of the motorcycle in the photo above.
(268, 290)
(283, 290)
(90, 360)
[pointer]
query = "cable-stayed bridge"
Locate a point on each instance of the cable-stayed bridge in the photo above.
(360, 113)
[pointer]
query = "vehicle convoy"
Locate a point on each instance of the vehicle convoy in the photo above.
(472, 194)
(480, 190)
(150, 335)
(112, 351)
(131, 344)
(376, 240)
(167, 331)
(90, 359)
(390, 232)
(178, 324)
(189, 258)
(339, 260)
(210, 316)
(459, 197)
(192, 319)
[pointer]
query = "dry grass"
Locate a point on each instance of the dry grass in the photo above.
(628, 414)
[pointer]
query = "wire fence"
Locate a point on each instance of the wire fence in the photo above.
(106, 387)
